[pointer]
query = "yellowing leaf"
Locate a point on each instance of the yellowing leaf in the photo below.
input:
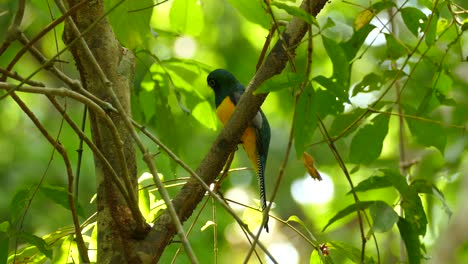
(310, 167)
(363, 18)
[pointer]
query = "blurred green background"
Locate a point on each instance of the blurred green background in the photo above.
(175, 51)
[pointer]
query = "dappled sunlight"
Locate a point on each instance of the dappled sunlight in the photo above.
(309, 191)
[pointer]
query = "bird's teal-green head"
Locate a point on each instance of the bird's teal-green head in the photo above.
(223, 84)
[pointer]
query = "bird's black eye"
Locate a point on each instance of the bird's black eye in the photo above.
(212, 83)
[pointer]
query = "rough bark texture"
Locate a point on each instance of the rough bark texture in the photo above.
(114, 219)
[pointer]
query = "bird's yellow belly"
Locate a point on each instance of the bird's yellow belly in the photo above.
(248, 139)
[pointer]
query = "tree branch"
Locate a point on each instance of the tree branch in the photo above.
(192, 192)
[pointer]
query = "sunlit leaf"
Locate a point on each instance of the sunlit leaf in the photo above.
(362, 205)
(383, 216)
(411, 239)
(187, 17)
(134, 30)
(297, 12)
(329, 24)
(414, 19)
(349, 251)
(253, 11)
(204, 114)
(43, 247)
(309, 164)
(368, 141)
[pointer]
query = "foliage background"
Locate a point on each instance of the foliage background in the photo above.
(178, 42)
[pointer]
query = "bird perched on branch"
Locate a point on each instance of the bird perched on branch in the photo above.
(256, 137)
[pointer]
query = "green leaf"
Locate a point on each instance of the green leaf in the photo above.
(383, 216)
(370, 82)
(334, 88)
(36, 241)
(343, 120)
(411, 239)
(352, 46)
(296, 219)
(19, 203)
(373, 183)
(424, 186)
(414, 210)
(431, 32)
(382, 5)
(253, 11)
(327, 103)
(4, 241)
(414, 19)
(329, 24)
(362, 205)
(349, 251)
(368, 141)
(186, 16)
(426, 133)
(204, 114)
(395, 49)
(134, 30)
(306, 120)
(59, 195)
(297, 12)
(281, 81)
(339, 60)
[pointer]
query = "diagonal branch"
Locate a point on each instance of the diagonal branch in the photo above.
(192, 192)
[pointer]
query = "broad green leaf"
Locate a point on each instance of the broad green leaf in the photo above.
(147, 102)
(297, 12)
(316, 258)
(351, 252)
(395, 48)
(414, 19)
(370, 82)
(362, 205)
(59, 195)
(204, 114)
(383, 216)
(327, 103)
(19, 203)
(333, 87)
(382, 5)
(431, 32)
(36, 241)
(296, 219)
(339, 60)
(373, 183)
(424, 186)
(443, 84)
(352, 46)
(368, 141)
(144, 202)
(281, 81)
(426, 133)
(186, 16)
(414, 210)
(329, 24)
(411, 239)
(253, 11)
(306, 120)
(342, 121)
(132, 28)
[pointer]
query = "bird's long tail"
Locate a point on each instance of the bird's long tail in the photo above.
(261, 185)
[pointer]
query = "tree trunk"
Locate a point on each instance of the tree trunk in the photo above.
(115, 221)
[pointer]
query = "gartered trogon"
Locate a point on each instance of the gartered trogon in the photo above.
(256, 137)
